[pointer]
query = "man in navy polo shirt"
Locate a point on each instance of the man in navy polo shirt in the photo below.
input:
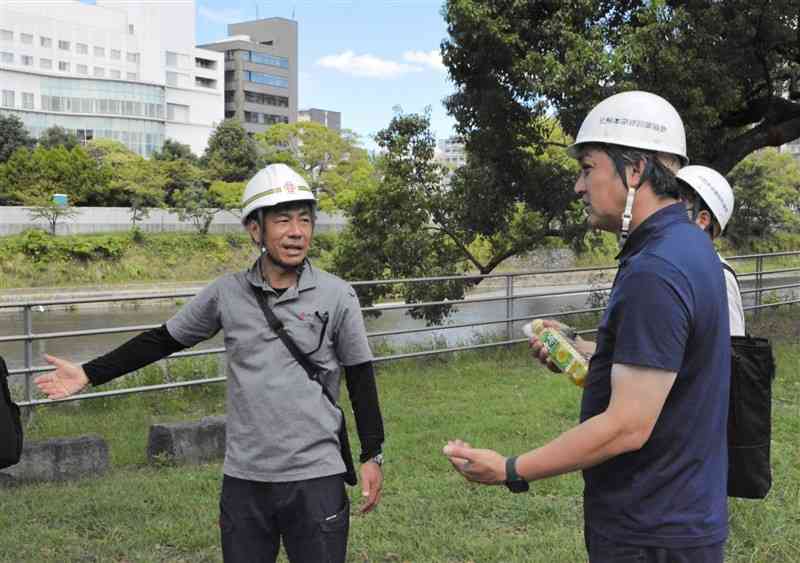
(652, 438)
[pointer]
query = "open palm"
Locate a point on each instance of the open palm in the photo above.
(66, 380)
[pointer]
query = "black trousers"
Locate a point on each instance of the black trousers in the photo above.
(311, 517)
(604, 550)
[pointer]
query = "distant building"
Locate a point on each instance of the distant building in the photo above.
(330, 119)
(127, 71)
(451, 152)
(260, 72)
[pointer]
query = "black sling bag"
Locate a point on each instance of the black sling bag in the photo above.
(10, 423)
(750, 416)
(275, 324)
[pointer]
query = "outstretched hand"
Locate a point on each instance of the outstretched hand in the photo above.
(67, 379)
(477, 465)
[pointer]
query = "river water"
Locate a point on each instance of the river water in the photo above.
(83, 348)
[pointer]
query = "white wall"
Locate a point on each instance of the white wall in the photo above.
(14, 220)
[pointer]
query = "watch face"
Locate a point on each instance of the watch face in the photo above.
(378, 459)
(518, 486)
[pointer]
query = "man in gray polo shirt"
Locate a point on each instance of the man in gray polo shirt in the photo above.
(283, 470)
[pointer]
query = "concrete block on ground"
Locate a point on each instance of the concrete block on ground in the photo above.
(187, 442)
(58, 459)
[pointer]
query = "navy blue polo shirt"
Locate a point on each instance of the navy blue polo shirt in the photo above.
(668, 310)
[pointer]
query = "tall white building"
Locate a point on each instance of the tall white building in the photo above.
(451, 152)
(119, 69)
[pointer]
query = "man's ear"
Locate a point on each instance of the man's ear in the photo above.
(704, 220)
(254, 229)
(635, 172)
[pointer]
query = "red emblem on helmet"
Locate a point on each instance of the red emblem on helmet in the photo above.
(289, 187)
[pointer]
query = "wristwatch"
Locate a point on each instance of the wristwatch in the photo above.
(514, 482)
(377, 458)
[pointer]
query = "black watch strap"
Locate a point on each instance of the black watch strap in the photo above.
(514, 482)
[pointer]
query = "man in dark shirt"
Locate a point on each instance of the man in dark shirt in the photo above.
(652, 438)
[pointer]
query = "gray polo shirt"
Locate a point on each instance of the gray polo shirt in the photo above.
(280, 426)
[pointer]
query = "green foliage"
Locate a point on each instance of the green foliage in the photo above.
(41, 246)
(767, 190)
(13, 136)
(53, 213)
(725, 66)
(57, 136)
(332, 162)
(173, 150)
(31, 176)
(198, 205)
(231, 154)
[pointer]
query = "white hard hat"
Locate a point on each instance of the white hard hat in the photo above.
(273, 185)
(636, 119)
(713, 188)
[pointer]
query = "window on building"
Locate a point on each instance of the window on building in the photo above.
(205, 63)
(229, 96)
(6, 58)
(177, 112)
(229, 114)
(267, 59)
(87, 105)
(45, 63)
(114, 73)
(81, 48)
(100, 52)
(45, 42)
(205, 82)
(132, 57)
(99, 72)
(63, 65)
(26, 38)
(133, 76)
(27, 100)
(63, 45)
(266, 99)
(116, 54)
(230, 55)
(268, 79)
(81, 69)
(6, 35)
(26, 60)
(84, 135)
(8, 98)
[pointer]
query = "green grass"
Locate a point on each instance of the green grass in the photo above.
(497, 399)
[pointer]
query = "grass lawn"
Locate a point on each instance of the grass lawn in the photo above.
(497, 399)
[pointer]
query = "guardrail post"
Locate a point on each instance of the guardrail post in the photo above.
(28, 317)
(509, 306)
(759, 282)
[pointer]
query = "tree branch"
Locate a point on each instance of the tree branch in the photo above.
(765, 135)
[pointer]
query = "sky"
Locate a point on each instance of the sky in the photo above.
(358, 57)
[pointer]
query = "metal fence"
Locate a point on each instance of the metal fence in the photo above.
(507, 287)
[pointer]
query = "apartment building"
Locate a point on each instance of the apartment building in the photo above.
(260, 72)
(127, 71)
(328, 118)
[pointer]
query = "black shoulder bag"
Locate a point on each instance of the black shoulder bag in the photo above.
(275, 324)
(750, 416)
(10, 424)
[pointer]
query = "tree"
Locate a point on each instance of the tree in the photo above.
(419, 219)
(199, 205)
(13, 136)
(133, 181)
(329, 160)
(181, 174)
(43, 207)
(767, 191)
(56, 136)
(72, 172)
(724, 65)
(173, 150)
(231, 154)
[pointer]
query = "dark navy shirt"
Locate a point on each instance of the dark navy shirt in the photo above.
(668, 310)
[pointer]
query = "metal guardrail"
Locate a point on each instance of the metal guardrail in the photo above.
(29, 336)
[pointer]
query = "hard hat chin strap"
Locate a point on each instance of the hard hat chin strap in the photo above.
(627, 215)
